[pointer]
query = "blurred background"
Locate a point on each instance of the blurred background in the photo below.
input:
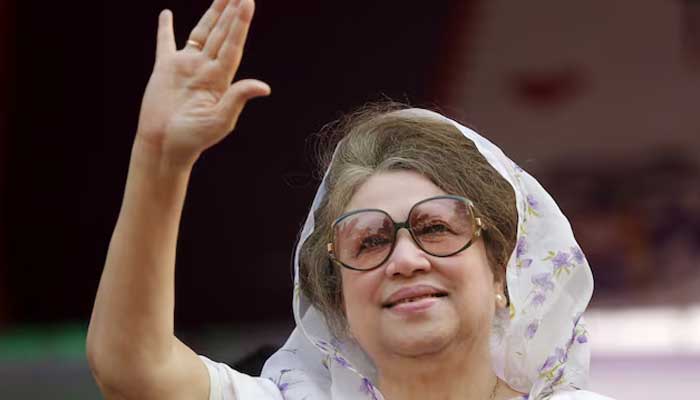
(599, 100)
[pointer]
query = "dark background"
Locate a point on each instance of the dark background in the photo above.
(82, 68)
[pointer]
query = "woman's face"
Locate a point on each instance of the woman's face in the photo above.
(426, 325)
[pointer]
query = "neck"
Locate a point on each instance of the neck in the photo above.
(457, 372)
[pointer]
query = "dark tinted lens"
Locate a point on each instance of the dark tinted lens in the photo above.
(364, 239)
(442, 226)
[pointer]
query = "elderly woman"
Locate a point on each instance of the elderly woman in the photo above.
(430, 265)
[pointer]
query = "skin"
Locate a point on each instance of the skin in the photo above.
(189, 105)
(443, 351)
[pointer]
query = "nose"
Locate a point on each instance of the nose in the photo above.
(407, 258)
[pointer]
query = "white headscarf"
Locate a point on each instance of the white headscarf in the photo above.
(538, 346)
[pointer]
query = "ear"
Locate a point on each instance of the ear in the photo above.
(499, 287)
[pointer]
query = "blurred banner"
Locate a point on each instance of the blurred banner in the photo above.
(580, 84)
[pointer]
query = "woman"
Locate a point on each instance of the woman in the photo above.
(479, 297)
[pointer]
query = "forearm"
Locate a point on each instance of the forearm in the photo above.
(132, 320)
(188, 106)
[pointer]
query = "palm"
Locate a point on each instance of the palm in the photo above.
(189, 103)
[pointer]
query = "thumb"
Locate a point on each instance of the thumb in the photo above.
(238, 94)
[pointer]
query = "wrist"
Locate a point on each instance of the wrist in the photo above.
(152, 155)
(155, 178)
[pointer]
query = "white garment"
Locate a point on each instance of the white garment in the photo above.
(539, 346)
(225, 383)
(229, 384)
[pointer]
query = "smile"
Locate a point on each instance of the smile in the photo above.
(415, 299)
(413, 294)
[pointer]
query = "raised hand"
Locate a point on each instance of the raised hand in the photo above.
(190, 103)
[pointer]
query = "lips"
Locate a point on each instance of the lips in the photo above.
(412, 293)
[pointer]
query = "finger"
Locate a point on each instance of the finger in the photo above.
(218, 34)
(166, 37)
(201, 31)
(238, 94)
(232, 48)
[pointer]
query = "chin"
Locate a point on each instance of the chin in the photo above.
(417, 341)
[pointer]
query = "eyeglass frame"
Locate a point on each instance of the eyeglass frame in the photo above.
(477, 222)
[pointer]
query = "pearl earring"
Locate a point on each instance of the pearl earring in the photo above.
(499, 298)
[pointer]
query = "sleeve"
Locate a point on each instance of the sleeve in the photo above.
(225, 383)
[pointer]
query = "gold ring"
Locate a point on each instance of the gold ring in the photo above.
(195, 43)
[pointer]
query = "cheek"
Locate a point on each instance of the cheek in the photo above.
(360, 295)
(471, 277)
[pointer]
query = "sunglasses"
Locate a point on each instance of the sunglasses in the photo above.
(441, 226)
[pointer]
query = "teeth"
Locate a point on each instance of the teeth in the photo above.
(412, 299)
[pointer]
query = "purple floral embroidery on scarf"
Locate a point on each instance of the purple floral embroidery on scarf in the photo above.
(543, 280)
(342, 361)
(557, 379)
(532, 329)
(548, 363)
(552, 363)
(561, 354)
(323, 345)
(538, 299)
(521, 247)
(333, 354)
(532, 205)
(578, 255)
(282, 385)
(543, 283)
(520, 250)
(328, 350)
(561, 261)
(532, 202)
(580, 334)
(368, 389)
(553, 368)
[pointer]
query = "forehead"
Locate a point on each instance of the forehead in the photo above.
(394, 192)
